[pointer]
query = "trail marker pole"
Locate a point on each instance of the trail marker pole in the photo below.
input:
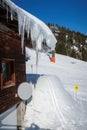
(76, 89)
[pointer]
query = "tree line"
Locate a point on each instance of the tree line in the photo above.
(70, 43)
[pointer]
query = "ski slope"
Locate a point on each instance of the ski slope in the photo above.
(55, 104)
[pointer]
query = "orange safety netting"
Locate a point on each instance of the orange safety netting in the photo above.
(52, 59)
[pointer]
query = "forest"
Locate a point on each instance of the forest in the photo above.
(69, 42)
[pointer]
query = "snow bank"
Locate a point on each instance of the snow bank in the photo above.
(51, 106)
(42, 37)
(8, 119)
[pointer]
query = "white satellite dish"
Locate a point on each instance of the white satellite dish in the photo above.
(25, 91)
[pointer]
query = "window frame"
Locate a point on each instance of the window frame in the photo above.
(10, 66)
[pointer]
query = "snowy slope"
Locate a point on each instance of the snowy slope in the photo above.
(65, 108)
(69, 70)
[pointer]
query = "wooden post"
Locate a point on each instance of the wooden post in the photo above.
(20, 114)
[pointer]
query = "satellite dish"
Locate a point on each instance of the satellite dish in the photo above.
(25, 91)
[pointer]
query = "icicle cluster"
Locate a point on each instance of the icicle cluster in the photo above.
(41, 36)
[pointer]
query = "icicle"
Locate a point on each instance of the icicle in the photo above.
(7, 13)
(37, 61)
(37, 53)
(11, 15)
(39, 30)
(22, 35)
(27, 27)
(19, 23)
(3, 4)
(21, 28)
(0, 2)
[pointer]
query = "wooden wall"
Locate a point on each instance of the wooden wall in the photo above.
(10, 47)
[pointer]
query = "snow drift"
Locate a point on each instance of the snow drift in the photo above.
(51, 106)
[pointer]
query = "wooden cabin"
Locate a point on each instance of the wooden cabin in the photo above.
(12, 61)
(15, 21)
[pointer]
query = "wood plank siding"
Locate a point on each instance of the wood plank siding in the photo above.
(11, 57)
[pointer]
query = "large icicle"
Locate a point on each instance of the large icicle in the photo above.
(29, 23)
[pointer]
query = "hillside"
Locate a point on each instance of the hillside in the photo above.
(69, 42)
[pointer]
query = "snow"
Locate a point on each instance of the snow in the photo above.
(55, 105)
(8, 119)
(31, 25)
(75, 48)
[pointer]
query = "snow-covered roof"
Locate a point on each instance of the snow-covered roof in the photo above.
(30, 24)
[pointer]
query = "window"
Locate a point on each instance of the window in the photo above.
(7, 73)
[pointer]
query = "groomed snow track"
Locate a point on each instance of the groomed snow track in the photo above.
(51, 107)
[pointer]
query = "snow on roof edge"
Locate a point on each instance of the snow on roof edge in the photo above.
(30, 24)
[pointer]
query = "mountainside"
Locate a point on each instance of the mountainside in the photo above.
(69, 42)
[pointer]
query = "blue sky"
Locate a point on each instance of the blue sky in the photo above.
(71, 14)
